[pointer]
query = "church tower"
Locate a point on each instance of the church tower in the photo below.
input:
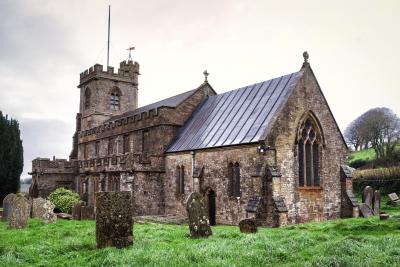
(104, 94)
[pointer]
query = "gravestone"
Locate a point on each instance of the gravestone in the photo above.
(199, 224)
(383, 216)
(248, 226)
(114, 221)
(377, 202)
(87, 213)
(7, 205)
(254, 204)
(18, 214)
(368, 195)
(76, 210)
(394, 199)
(43, 209)
(366, 210)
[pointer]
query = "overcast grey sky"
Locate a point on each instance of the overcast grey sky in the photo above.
(44, 45)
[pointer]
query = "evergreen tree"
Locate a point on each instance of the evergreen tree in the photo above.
(11, 156)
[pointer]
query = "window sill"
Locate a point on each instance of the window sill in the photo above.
(310, 189)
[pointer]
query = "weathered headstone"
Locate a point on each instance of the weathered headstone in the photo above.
(18, 214)
(76, 210)
(43, 209)
(377, 202)
(199, 224)
(114, 221)
(7, 205)
(87, 213)
(394, 199)
(64, 216)
(368, 195)
(248, 226)
(366, 210)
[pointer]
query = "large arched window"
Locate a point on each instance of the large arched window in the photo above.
(115, 99)
(234, 179)
(87, 98)
(309, 143)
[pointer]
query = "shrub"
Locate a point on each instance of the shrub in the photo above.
(386, 180)
(358, 163)
(64, 199)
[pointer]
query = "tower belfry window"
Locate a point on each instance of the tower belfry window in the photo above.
(309, 145)
(114, 101)
(87, 98)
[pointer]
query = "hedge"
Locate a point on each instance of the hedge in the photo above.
(386, 180)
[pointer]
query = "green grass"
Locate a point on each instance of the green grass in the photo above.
(347, 242)
(366, 154)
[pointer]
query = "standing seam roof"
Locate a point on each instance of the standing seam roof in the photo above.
(236, 117)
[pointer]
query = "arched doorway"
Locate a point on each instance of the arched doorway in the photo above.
(211, 207)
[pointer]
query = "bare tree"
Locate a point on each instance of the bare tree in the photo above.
(380, 128)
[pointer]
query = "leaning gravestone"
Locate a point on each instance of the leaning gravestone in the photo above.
(76, 210)
(43, 209)
(7, 201)
(114, 219)
(366, 210)
(199, 224)
(394, 199)
(248, 226)
(18, 214)
(368, 195)
(377, 202)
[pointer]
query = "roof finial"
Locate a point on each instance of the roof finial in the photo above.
(205, 76)
(305, 56)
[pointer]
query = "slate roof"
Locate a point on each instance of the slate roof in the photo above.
(236, 117)
(168, 102)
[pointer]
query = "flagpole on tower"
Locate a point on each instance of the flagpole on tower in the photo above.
(108, 44)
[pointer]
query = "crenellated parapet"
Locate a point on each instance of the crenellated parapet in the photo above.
(132, 119)
(45, 165)
(127, 72)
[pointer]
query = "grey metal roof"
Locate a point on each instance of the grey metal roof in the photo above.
(168, 102)
(236, 117)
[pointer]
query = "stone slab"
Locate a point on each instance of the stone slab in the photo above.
(7, 205)
(18, 213)
(248, 226)
(368, 196)
(43, 209)
(114, 223)
(199, 223)
(87, 213)
(254, 204)
(377, 202)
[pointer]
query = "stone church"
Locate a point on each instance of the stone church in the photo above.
(270, 150)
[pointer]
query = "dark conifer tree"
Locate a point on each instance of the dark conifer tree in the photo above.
(11, 156)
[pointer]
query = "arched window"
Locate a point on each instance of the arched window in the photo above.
(309, 145)
(87, 98)
(180, 180)
(234, 179)
(115, 99)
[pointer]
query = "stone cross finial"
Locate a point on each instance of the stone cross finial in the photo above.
(205, 75)
(305, 56)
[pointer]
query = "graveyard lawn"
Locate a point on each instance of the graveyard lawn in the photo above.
(349, 242)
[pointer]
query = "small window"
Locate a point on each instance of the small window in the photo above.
(97, 148)
(115, 99)
(110, 146)
(85, 151)
(180, 180)
(234, 179)
(126, 144)
(87, 98)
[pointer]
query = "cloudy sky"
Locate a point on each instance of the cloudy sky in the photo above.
(44, 45)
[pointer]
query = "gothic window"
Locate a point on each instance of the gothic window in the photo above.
(234, 179)
(126, 144)
(308, 146)
(87, 98)
(180, 180)
(115, 99)
(85, 151)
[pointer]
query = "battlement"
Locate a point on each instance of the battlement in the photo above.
(128, 72)
(46, 163)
